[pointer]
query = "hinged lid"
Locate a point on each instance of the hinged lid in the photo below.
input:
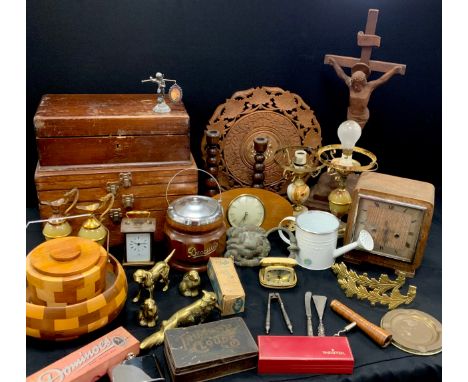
(88, 115)
(65, 256)
(195, 210)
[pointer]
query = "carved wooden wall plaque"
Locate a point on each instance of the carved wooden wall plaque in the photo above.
(270, 112)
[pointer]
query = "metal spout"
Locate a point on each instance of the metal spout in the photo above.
(364, 241)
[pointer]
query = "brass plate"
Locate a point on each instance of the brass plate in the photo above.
(414, 331)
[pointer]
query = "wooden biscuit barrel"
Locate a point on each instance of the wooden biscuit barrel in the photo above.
(71, 321)
(66, 271)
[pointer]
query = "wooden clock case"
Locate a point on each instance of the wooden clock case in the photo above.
(400, 191)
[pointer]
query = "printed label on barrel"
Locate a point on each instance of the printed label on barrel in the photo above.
(195, 251)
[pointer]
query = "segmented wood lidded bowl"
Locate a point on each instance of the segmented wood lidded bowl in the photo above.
(73, 287)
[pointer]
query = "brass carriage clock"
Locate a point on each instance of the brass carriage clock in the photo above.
(138, 228)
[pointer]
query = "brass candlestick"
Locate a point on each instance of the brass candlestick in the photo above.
(299, 163)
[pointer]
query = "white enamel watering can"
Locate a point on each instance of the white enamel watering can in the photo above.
(317, 235)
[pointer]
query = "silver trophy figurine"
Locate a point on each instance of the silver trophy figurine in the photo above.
(175, 92)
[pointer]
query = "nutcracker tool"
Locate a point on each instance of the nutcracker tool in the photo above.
(271, 297)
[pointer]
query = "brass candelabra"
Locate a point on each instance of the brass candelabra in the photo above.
(331, 156)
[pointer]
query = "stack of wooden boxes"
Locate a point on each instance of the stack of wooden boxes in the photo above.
(101, 143)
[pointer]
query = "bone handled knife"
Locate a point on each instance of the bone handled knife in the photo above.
(307, 300)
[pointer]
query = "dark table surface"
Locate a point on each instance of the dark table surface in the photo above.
(372, 363)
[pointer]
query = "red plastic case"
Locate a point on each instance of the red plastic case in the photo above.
(304, 355)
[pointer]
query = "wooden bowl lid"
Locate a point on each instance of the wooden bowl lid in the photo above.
(65, 256)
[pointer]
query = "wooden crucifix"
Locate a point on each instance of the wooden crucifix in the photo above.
(359, 89)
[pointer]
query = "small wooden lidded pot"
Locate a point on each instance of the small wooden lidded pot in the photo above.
(66, 271)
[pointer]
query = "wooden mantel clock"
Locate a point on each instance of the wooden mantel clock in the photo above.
(398, 214)
(138, 228)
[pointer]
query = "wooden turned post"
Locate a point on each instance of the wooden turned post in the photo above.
(212, 161)
(260, 146)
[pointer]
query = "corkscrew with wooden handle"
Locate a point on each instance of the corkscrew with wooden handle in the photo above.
(376, 333)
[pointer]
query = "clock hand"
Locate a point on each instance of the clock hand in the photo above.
(245, 216)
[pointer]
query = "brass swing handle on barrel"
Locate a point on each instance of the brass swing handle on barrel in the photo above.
(197, 169)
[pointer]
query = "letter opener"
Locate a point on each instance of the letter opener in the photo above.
(320, 303)
(307, 300)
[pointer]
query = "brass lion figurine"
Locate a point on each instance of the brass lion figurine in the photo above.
(148, 314)
(147, 279)
(189, 285)
(194, 313)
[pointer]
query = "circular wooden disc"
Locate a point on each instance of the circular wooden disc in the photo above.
(65, 256)
(413, 331)
(269, 112)
(239, 149)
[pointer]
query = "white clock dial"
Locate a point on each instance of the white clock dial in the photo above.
(246, 210)
(138, 247)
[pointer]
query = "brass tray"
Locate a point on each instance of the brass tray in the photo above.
(414, 331)
(279, 115)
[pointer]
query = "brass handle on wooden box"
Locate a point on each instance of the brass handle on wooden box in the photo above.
(115, 214)
(125, 179)
(128, 200)
(112, 187)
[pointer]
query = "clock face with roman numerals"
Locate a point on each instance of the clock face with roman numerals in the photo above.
(395, 226)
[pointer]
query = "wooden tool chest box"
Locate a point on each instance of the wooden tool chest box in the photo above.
(135, 187)
(81, 129)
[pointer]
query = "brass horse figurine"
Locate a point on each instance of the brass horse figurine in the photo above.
(147, 279)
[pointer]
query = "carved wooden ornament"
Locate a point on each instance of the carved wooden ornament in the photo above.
(270, 112)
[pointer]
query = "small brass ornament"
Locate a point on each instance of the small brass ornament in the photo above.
(92, 228)
(194, 313)
(175, 92)
(148, 314)
(147, 279)
(57, 225)
(373, 290)
(190, 283)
